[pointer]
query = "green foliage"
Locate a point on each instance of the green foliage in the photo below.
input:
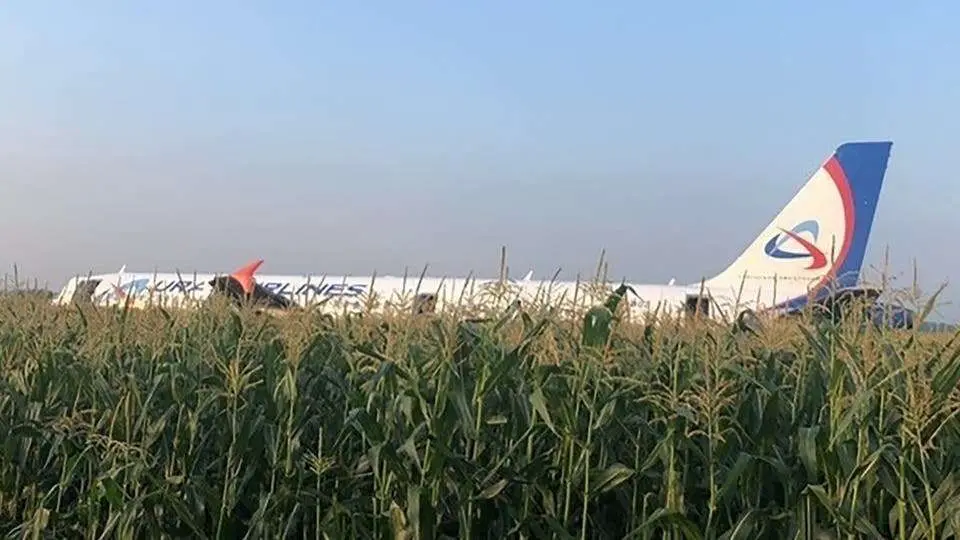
(598, 323)
(227, 424)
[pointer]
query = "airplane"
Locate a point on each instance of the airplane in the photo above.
(811, 252)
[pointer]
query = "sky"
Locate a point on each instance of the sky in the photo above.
(353, 137)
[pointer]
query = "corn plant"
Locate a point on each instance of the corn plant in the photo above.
(224, 423)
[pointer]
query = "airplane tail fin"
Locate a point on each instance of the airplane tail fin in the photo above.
(819, 238)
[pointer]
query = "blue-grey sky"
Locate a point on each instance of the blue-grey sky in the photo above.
(350, 137)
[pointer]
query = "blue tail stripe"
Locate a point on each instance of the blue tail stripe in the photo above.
(865, 165)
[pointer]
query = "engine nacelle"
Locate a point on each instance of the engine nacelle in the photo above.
(260, 296)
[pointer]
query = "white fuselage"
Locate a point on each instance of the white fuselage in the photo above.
(339, 294)
(814, 243)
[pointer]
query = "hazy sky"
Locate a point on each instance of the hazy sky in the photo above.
(333, 137)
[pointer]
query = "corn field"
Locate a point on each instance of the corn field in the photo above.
(224, 423)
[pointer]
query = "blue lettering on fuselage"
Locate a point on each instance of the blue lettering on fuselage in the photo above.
(178, 287)
(327, 289)
(276, 287)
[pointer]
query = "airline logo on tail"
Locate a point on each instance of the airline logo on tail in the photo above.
(818, 259)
